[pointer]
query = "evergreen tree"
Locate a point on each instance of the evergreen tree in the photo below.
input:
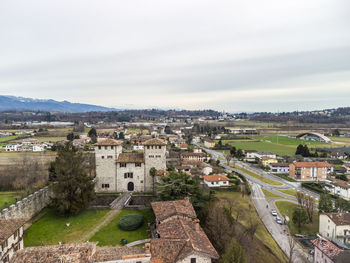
(178, 186)
(325, 205)
(73, 188)
(92, 132)
(234, 253)
(121, 136)
(70, 136)
(299, 217)
(233, 151)
(153, 172)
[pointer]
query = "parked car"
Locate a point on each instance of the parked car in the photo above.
(278, 220)
(273, 212)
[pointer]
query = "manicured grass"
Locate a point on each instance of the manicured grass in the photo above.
(259, 177)
(8, 138)
(285, 177)
(287, 208)
(111, 234)
(247, 212)
(8, 199)
(269, 194)
(292, 192)
(51, 229)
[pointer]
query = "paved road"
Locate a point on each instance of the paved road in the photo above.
(279, 232)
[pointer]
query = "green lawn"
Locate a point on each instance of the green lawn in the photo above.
(8, 199)
(8, 138)
(51, 229)
(259, 177)
(292, 192)
(111, 234)
(287, 208)
(269, 194)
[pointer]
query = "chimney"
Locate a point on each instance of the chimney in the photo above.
(148, 248)
(197, 226)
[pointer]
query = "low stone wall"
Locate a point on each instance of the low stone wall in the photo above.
(28, 206)
(139, 202)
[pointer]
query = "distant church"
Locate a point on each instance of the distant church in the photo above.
(121, 172)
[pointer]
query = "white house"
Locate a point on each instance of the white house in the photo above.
(38, 148)
(338, 187)
(216, 180)
(279, 168)
(209, 143)
(335, 226)
(198, 156)
(11, 238)
(13, 147)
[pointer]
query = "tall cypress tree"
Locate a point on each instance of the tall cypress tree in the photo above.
(73, 187)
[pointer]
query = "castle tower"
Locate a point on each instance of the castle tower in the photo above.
(106, 154)
(154, 153)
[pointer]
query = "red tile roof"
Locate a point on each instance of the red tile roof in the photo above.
(109, 142)
(155, 141)
(215, 178)
(131, 158)
(312, 164)
(327, 247)
(8, 227)
(164, 210)
(340, 219)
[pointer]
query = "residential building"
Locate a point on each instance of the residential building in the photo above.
(266, 161)
(13, 147)
(338, 155)
(180, 238)
(328, 252)
(279, 168)
(216, 180)
(120, 172)
(11, 238)
(196, 156)
(250, 155)
(338, 187)
(347, 167)
(335, 226)
(310, 171)
(209, 143)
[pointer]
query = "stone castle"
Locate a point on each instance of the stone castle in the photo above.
(122, 172)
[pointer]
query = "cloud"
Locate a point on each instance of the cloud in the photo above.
(226, 55)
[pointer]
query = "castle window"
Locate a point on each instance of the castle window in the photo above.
(141, 181)
(109, 157)
(137, 164)
(112, 147)
(147, 146)
(105, 185)
(99, 147)
(193, 260)
(128, 175)
(122, 165)
(106, 147)
(102, 157)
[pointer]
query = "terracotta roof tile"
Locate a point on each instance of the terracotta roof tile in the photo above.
(154, 141)
(109, 142)
(131, 158)
(163, 210)
(339, 218)
(117, 253)
(215, 178)
(72, 253)
(312, 164)
(327, 247)
(9, 226)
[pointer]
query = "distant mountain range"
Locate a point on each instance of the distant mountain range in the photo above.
(20, 103)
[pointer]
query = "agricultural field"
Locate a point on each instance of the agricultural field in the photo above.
(287, 208)
(51, 229)
(265, 249)
(280, 145)
(111, 234)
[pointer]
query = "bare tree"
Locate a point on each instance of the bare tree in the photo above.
(228, 158)
(292, 248)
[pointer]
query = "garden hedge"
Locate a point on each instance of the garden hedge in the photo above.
(130, 222)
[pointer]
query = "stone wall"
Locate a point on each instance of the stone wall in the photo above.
(28, 206)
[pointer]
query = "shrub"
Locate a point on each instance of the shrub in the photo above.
(130, 222)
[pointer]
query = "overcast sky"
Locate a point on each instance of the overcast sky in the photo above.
(246, 55)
